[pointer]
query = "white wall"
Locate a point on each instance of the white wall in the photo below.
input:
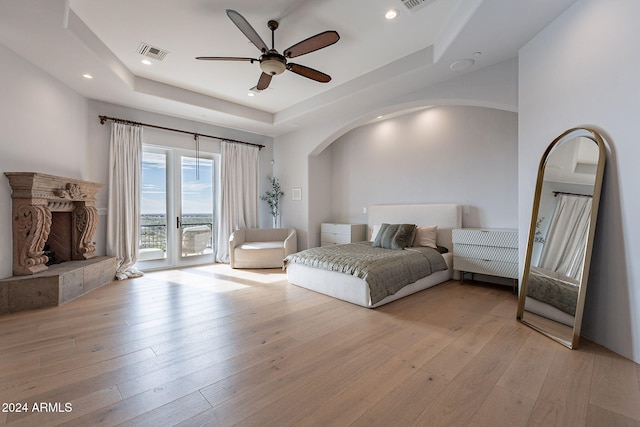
(299, 162)
(582, 70)
(44, 129)
(449, 154)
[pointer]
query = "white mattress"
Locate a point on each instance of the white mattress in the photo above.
(355, 290)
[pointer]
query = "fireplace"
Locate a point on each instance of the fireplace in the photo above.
(53, 211)
(52, 215)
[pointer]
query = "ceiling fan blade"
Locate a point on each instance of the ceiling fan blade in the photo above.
(313, 43)
(264, 81)
(247, 30)
(224, 58)
(309, 73)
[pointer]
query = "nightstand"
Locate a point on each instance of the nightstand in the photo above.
(335, 234)
(493, 252)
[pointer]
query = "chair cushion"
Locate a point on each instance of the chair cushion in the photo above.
(260, 245)
(259, 255)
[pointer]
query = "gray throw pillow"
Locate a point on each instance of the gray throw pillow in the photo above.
(385, 236)
(395, 236)
(404, 236)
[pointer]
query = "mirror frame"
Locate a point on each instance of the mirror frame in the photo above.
(602, 153)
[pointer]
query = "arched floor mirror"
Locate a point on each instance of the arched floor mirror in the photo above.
(563, 220)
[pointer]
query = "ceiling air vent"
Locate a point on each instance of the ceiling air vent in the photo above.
(414, 5)
(152, 52)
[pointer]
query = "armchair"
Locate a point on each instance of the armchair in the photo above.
(261, 247)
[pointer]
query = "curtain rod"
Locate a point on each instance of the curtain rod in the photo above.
(195, 134)
(555, 194)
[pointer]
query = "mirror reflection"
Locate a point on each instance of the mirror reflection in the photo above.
(561, 235)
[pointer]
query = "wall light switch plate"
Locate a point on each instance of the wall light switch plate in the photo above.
(296, 193)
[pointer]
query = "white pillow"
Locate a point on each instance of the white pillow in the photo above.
(374, 231)
(426, 236)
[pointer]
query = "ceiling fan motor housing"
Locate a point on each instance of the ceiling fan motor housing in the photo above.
(273, 63)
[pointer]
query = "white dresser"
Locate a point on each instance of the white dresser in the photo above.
(493, 252)
(333, 234)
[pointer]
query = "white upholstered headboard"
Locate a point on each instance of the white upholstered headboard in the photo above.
(445, 216)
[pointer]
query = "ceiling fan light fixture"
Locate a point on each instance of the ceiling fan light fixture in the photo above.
(272, 64)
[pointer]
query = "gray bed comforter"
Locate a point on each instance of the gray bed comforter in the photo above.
(386, 271)
(555, 292)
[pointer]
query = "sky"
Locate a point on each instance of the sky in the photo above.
(197, 195)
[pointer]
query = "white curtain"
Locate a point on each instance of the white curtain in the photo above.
(239, 193)
(123, 225)
(566, 240)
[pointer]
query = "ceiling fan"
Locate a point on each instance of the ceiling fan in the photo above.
(271, 61)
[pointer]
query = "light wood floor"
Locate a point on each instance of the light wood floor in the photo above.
(212, 346)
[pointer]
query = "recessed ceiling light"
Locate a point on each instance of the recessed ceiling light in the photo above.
(251, 94)
(379, 117)
(146, 62)
(391, 14)
(462, 64)
(87, 76)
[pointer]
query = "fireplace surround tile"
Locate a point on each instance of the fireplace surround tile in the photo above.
(108, 270)
(41, 292)
(91, 277)
(72, 285)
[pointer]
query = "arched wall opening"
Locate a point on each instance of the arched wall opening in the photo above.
(448, 153)
(299, 158)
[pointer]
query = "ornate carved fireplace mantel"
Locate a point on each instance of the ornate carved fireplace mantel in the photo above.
(37, 199)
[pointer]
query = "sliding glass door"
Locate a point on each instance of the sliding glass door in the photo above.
(178, 208)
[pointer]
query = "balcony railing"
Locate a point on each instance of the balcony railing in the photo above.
(155, 236)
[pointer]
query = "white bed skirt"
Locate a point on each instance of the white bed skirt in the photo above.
(355, 290)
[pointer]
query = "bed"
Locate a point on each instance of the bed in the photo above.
(355, 290)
